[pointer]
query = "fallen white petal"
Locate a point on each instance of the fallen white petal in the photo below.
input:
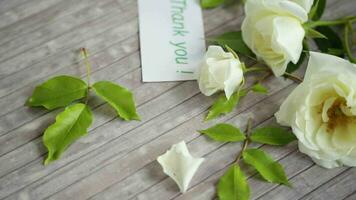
(180, 165)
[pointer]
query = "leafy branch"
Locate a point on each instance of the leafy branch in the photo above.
(74, 121)
(233, 184)
(323, 28)
(348, 29)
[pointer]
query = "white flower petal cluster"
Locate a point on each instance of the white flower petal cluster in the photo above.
(322, 111)
(273, 30)
(220, 70)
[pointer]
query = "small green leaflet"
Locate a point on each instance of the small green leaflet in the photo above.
(312, 33)
(211, 3)
(233, 185)
(317, 10)
(70, 125)
(235, 42)
(259, 88)
(269, 169)
(332, 45)
(223, 105)
(120, 98)
(224, 133)
(58, 92)
(272, 136)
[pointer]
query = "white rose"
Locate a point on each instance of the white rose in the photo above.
(306, 4)
(322, 111)
(274, 32)
(220, 70)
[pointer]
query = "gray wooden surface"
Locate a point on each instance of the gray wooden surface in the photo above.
(41, 38)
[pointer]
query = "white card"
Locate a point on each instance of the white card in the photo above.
(171, 39)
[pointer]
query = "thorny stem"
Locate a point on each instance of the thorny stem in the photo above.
(232, 51)
(348, 27)
(256, 69)
(264, 77)
(345, 20)
(293, 77)
(229, 49)
(242, 85)
(260, 80)
(85, 56)
(286, 74)
(247, 140)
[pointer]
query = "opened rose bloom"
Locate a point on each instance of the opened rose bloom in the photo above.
(273, 30)
(322, 111)
(220, 70)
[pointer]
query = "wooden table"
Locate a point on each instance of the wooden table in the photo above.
(117, 160)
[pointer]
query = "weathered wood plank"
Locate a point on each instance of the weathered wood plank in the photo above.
(303, 183)
(108, 132)
(19, 97)
(71, 23)
(70, 62)
(351, 197)
(6, 5)
(109, 127)
(339, 187)
(33, 15)
(114, 159)
(76, 35)
(218, 160)
(216, 154)
(110, 72)
(23, 11)
(106, 64)
(142, 156)
(35, 133)
(47, 45)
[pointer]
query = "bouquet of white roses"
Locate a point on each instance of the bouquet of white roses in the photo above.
(275, 36)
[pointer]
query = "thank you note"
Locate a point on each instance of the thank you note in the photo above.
(171, 39)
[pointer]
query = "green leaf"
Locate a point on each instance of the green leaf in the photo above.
(259, 88)
(272, 136)
(211, 3)
(235, 41)
(332, 45)
(223, 105)
(58, 92)
(70, 125)
(312, 33)
(317, 10)
(269, 169)
(224, 133)
(120, 98)
(233, 185)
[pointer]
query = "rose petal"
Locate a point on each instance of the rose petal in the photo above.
(306, 4)
(319, 62)
(288, 35)
(178, 164)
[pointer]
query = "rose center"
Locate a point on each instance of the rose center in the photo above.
(337, 117)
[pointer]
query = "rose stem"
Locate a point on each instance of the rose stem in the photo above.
(247, 140)
(88, 67)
